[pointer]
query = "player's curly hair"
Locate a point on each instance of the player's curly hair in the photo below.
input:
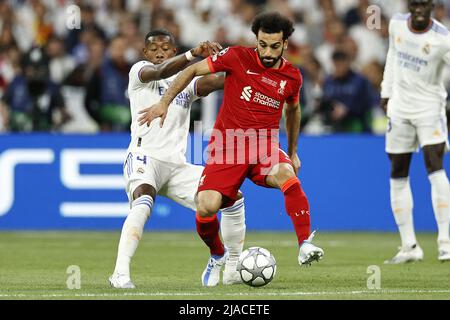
(273, 22)
(159, 32)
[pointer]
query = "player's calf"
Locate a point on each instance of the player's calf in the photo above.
(233, 235)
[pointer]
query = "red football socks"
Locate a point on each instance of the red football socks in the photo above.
(297, 207)
(208, 230)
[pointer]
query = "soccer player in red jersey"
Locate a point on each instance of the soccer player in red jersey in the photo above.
(259, 83)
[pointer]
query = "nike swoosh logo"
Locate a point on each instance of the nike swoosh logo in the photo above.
(253, 73)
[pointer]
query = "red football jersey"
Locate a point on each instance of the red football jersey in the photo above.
(254, 95)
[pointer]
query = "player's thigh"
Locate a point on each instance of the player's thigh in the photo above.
(401, 137)
(209, 202)
(140, 169)
(182, 185)
(434, 156)
(273, 173)
(225, 179)
(433, 138)
(400, 164)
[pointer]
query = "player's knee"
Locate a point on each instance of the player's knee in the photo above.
(144, 190)
(400, 165)
(283, 174)
(434, 157)
(207, 206)
(399, 172)
(433, 165)
(206, 209)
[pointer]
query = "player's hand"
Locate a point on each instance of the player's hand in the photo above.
(206, 48)
(384, 104)
(158, 110)
(296, 163)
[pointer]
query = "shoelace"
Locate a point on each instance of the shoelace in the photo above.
(212, 263)
(311, 237)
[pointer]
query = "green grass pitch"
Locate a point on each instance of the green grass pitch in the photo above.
(168, 265)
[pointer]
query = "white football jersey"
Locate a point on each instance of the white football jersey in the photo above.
(169, 142)
(413, 74)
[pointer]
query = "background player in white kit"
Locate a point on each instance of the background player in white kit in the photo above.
(156, 162)
(414, 96)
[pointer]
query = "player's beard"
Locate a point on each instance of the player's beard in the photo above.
(274, 61)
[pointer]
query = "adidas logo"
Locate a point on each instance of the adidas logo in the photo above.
(246, 93)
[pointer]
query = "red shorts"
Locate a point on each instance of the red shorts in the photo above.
(228, 178)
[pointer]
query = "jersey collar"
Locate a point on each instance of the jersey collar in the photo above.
(410, 27)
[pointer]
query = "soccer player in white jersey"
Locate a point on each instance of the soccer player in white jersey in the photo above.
(156, 162)
(414, 97)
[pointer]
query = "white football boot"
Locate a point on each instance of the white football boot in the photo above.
(121, 281)
(211, 274)
(231, 276)
(444, 251)
(309, 252)
(407, 254)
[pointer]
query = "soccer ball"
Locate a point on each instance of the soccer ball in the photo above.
(256, 266)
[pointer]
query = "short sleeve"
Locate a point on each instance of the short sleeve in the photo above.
(135, 73)
(295, 97)
(224, 60)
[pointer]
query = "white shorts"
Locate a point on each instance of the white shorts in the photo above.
(405, 136)
(178, 182)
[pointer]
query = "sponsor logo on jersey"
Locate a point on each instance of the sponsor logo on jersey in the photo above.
(246, 93)
(259, 98)
(411, 62)
(182, 99)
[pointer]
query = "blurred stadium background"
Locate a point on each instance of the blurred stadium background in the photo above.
(83, 61)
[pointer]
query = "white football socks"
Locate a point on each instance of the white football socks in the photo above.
(233, 227)
(132, 232)
(440, 195)
(402, 207)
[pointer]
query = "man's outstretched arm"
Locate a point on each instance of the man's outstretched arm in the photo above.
(209, 83)
(293, 118)
(159, 110)
(174, 65)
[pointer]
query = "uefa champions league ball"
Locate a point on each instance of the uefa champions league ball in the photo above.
(256, 266)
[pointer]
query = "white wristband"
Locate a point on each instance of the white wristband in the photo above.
(189, 55)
